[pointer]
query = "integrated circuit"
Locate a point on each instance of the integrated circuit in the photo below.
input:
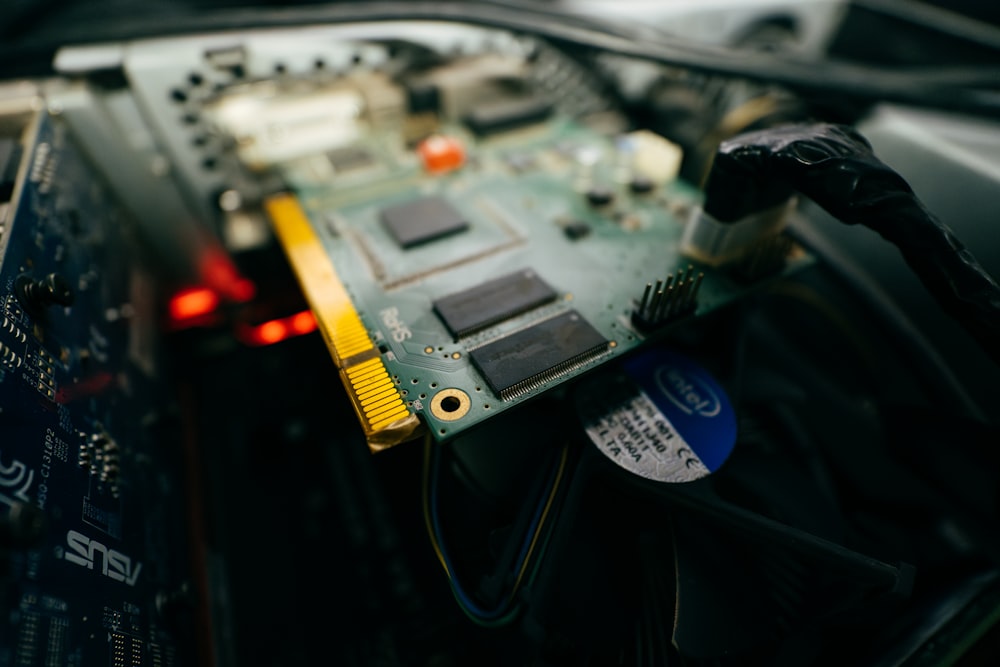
(494, 301)
(349, 158)
(422, 220)
(502, 115)
(528, 358)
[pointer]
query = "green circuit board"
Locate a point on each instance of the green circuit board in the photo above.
(489, 284)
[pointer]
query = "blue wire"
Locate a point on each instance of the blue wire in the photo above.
(460, 594)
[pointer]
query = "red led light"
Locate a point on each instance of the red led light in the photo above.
(192, 303)
(242, 290)
(220, 281)
(303, 323)
(271, 332)
(218, 273)
(275, 331)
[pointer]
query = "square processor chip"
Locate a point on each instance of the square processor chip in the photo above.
(422, 220)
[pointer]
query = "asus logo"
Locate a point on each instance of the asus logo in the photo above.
(114, 564)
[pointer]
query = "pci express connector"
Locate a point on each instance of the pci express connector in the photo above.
(383, 414)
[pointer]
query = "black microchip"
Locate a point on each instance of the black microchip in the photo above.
(576, 230)
(422, 220)
(493, 301)
(540, 353)
(500, 116)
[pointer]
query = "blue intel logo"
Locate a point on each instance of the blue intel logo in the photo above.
(690, 399)
(691, 394)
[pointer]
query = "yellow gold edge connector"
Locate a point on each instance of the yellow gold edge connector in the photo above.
(384, 416)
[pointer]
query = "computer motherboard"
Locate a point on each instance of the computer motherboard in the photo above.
(486, 333)
(98, 562)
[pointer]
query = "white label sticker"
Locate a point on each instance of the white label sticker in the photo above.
(636, 435)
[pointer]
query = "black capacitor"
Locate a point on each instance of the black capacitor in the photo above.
(576, 230)
(599, 195)
(36, 295)
(641, 185)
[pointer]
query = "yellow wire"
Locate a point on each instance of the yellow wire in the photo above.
(428, 443)
(541, 520)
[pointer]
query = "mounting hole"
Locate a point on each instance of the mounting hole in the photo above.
(450, 404)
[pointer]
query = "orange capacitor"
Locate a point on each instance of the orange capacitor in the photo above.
(440, 153)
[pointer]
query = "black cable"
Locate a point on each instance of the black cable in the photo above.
(835, 167)
(906, 337)
(970, 89)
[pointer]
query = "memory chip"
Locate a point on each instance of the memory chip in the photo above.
(530, 357)
(491, 302)
(422, 220)
(493, 117)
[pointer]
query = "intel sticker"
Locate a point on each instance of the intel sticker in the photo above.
(661, 417)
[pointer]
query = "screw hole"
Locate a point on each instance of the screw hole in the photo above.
(450, 404)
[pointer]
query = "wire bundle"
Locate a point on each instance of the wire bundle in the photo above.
(835, 167)
(535, 540)
(972, 89)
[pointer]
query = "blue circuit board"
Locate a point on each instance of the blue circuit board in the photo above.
(77, 421)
